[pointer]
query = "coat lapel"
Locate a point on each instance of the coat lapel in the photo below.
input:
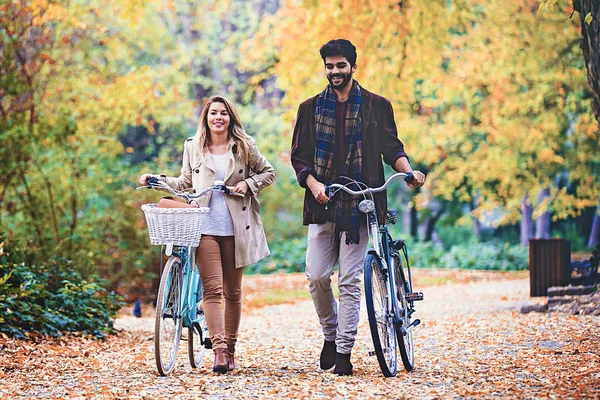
(207, 161)
(231, 165)
(365, 110)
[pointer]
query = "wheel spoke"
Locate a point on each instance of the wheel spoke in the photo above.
(404, 335)
(380, 318)
(168, 322)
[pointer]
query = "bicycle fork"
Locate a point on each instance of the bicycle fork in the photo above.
(376, 233)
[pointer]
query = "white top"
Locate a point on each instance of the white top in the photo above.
(218, 222)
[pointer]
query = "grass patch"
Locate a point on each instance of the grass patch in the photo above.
(274, 296)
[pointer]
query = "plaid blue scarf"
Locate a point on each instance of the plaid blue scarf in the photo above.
(346, 214)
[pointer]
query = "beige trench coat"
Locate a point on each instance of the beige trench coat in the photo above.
(198, 171)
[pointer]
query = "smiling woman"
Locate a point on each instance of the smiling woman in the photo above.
(232, 235)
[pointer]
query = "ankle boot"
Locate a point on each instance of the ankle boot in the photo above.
(343, 366)
(221, 361)
(327, 359)
(231, 352)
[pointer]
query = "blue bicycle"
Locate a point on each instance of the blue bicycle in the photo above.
(179, 299)
(389, 292)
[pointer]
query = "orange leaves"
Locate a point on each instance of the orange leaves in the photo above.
(473, 342)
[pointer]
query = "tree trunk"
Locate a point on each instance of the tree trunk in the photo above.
(430, 227)
(590, 45)
(414, 223)
(542, 223)
(595, 231)
(476, 223)
(526, 221)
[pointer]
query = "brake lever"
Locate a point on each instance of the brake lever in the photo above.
(330, 193)
(151, 181)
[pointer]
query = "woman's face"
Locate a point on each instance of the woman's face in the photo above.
(218, 118)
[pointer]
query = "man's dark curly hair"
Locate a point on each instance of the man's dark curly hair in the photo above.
(339, 47)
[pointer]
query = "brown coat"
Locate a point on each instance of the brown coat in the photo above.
(198, 171)
(380, 138)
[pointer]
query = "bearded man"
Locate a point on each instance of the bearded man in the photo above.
(343, 131)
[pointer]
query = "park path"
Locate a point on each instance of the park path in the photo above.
(473, 343)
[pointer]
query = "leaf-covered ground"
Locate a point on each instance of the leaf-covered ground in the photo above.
(472, 343)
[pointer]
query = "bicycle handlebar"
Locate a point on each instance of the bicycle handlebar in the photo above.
(408, 177)
(155, 183)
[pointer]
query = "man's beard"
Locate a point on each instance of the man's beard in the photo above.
(345, 80)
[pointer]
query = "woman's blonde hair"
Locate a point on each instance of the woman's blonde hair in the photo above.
(236, 130)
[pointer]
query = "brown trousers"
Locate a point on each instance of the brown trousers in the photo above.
(215, 257)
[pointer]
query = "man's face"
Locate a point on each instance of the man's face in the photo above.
(338, 71)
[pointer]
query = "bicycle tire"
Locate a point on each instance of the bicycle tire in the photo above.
(380, 321)
(405, 342)
(168, 324)
(197, 335)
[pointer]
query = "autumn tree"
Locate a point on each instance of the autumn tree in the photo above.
(71, 81)
(482, 99)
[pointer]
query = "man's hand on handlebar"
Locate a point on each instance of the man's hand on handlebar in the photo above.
(317, 189)
(418, 179)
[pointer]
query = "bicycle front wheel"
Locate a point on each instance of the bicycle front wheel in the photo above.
(405, 337)
(169, 321)
(380, 318)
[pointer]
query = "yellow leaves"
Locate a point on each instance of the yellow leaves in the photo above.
(542, 207)
(547, 155)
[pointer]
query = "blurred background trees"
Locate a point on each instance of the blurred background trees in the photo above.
(493, 99)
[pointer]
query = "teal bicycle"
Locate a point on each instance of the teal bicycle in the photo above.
(179, 299)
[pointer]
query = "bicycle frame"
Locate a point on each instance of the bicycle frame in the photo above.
(380, 241)
(187, 255)
(380, 247)
(190, 286)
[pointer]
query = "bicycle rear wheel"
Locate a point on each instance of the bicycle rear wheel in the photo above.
(380, 318)
(169, 322)
(197, 339)
(405, 338)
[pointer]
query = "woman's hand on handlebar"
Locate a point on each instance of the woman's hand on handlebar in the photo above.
(240, 187)
(143, 180)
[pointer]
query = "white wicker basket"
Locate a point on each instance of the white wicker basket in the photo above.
(177, 226)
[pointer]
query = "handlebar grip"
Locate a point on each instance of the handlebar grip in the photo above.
(409, 177)
(152, 180)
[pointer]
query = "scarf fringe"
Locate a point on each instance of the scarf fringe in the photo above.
(352, 237)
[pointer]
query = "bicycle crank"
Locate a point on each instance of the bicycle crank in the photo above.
(404, 330)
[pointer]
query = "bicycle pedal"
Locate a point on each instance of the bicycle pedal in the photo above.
(415, 323)
(208, 343)
(414, 296)
(372, 353)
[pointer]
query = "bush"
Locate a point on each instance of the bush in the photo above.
(290, 255)
(52, 298)
(286, 256)
(483, 256)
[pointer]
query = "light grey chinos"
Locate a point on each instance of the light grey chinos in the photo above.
(321, 255)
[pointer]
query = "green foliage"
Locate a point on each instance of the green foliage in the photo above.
(571, 231)
(52, 298)
(289, 256)
(455, 235)
(482, 256)
(286, 256)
